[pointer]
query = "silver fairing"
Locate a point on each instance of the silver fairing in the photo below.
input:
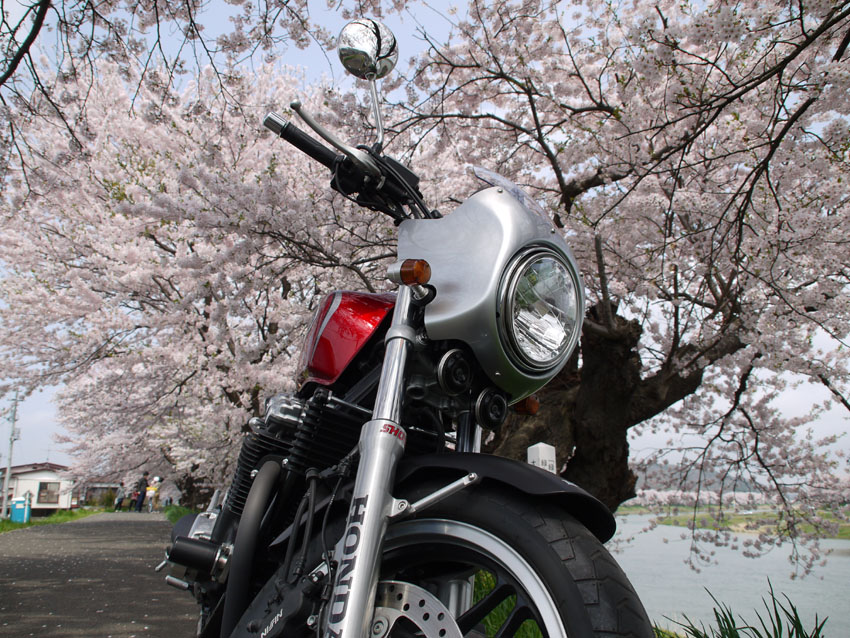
(469, 251)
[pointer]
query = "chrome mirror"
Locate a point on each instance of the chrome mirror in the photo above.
(367, 49)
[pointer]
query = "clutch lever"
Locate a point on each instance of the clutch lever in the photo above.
(359, 158)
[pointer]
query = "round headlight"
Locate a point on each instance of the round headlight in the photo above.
(539, 300)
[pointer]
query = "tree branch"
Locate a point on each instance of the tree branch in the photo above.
(23, 50)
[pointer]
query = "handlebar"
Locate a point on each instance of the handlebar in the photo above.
(300, 140)
(394, 186)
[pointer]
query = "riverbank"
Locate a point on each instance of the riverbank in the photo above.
(751, 521)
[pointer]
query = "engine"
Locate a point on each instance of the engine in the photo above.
(301, 434)
(315, 433)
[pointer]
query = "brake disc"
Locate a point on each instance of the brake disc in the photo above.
(396, 600)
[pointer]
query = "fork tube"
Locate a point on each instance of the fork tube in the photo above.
(468, 435)
(398, 341)
(381, 444)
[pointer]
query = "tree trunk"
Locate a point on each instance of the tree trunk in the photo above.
(195, 492)
(610, 376)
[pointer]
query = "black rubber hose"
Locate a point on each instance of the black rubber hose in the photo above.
(312, 480)
(293, 538)
(245, 546)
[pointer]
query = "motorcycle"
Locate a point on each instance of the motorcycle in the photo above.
(361, 504)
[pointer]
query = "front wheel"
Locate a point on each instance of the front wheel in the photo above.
(503, 565)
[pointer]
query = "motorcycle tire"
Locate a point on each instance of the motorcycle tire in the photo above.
(545, 574)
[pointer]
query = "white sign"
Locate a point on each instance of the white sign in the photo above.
(542, 455)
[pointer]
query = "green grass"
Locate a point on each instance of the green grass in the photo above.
(779, 619)
(61, 516)
(175, 512)
(484, 583)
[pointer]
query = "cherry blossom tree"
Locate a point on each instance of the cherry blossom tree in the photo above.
(697, 156)
(163, 35)
(172, 40)
(105, 140)
(163, 272)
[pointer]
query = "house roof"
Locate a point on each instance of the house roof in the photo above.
(37, 467)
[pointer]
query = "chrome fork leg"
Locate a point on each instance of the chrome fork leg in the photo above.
(468, 435)
(456, 595)
(382, 440)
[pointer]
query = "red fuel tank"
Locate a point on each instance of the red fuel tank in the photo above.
(341, 326)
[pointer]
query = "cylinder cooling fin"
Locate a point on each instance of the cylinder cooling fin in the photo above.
(308, 433)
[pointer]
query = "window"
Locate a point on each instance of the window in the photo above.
(48, 493)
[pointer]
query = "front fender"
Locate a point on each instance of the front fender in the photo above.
(526, 478)
(531, 480)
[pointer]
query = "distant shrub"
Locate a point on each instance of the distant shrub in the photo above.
(106, 499)
(175, 512)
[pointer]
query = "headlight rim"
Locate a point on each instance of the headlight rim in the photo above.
(522, 260)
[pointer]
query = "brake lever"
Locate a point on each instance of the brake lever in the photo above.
(359, 158)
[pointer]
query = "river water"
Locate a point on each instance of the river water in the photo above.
(655, 563)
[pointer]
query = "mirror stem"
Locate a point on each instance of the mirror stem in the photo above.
(376, 110)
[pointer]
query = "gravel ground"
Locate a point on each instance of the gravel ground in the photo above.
(91, 578)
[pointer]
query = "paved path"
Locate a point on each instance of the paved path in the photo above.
(91, 578)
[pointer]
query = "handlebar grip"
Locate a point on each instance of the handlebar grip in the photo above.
(299, 139)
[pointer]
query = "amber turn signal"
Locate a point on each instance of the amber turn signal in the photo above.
(415, 271)
(529, 406)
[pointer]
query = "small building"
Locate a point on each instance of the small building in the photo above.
(97, 491)
(47, 489)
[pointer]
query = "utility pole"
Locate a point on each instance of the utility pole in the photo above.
(13, 436)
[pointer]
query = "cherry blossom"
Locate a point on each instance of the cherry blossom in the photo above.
(162, 253)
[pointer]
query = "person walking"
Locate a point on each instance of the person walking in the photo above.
(141, 488)
(119, 497)
(151, 493)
